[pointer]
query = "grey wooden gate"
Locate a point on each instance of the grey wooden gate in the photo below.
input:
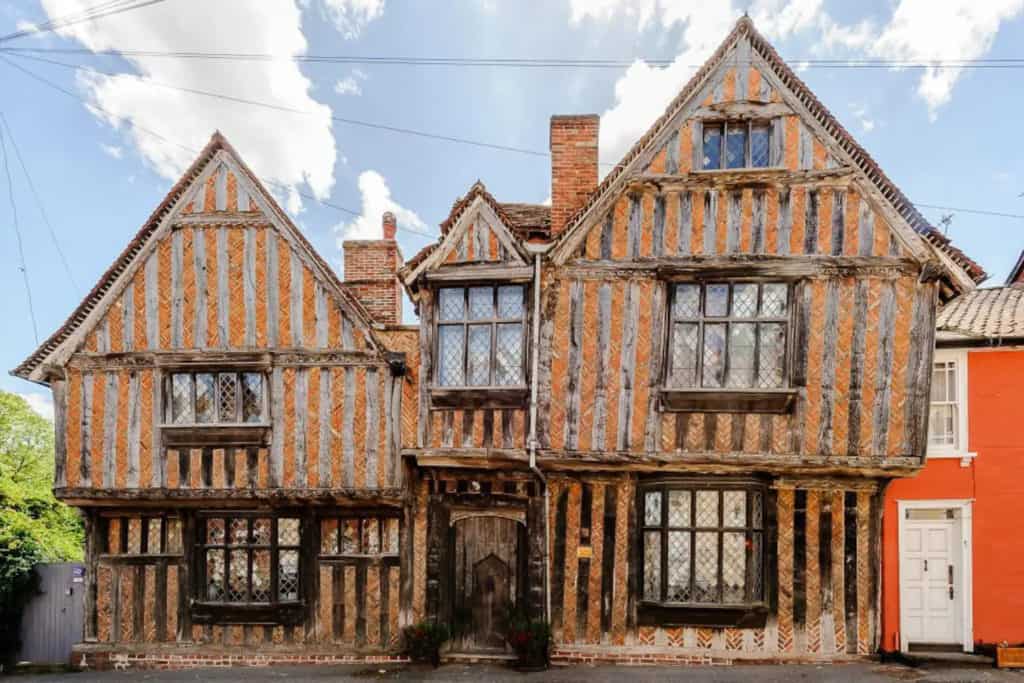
(54, 619)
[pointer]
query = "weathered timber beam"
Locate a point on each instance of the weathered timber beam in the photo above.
(743, 110)
(709, 463)
(480, 458)
(826, 483)
(473, 272)
(752, 266)
(774, 176)
(221, 218)
(221, 359)
(161, 497)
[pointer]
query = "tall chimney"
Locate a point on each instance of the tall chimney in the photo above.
(573, 165)
(371, 268)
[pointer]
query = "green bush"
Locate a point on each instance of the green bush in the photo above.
(423, 641)
(34, 526)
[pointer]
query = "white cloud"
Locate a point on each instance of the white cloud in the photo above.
(112, 150)
(40, 403)
(350, 17)
(863, 116)
(376, 199)
(291, 149)
(351, 84)
(922, 30)
(643, 92)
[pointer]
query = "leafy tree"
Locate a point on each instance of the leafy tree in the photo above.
(34, 526)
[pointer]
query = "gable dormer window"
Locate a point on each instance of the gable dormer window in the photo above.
(481, 336)
(736, 144)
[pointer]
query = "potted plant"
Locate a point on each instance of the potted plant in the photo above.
(531, 640)
(423, 642)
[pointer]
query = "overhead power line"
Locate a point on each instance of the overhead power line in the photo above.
(518, 62)
(390, 128)
(193, 150)
(103, 9)
(22, 265)
(294, 110)
(39, 202)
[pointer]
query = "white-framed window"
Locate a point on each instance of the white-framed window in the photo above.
(947, 418)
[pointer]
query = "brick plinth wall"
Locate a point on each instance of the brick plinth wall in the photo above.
(370, 273)
(573, 165)
(135, 659)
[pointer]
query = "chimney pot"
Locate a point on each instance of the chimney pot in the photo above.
(390, 226)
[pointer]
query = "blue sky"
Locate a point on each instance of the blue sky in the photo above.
(947, 137)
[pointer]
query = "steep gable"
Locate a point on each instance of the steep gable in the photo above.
(217, 266)
(478, 231)
(746, 80)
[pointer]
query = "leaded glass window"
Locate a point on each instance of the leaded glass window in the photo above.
(736, 144)
(481, 336)
(703, 545)
(217, 398)
(248, 558)
(728, 336)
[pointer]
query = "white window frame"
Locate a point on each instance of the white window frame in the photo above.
(958, 449)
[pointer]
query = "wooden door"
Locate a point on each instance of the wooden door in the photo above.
(929, 582)
(486, 571)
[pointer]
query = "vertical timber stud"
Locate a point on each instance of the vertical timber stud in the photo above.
(838, 581)
(785, 567)
(863, 573)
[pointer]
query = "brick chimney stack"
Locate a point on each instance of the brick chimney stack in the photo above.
(371, 268)
(573, 165)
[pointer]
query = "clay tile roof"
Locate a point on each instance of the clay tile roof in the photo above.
(528, 220)
(824, 117)
(995, 312)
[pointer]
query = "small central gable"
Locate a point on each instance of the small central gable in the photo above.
(224, 269)
(477, 232)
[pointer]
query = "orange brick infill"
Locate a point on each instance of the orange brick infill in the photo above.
(118, 659)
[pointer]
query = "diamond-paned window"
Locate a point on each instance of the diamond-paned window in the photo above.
(243, 554)
(481, 336)
(703, 545)
(203, 398)
(736, 144)
(728, 335)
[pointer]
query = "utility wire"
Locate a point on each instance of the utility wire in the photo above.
(520, 62)
(17, 231)
(193, 150)
(293, 110)
(39, 201)
(299, 111)
(103, 9)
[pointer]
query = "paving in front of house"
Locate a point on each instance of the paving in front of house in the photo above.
(836, 673)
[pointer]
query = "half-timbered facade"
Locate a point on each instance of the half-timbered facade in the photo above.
(229, 418)
(660, 413)
(704, 368)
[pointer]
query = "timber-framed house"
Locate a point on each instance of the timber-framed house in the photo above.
(660, 413)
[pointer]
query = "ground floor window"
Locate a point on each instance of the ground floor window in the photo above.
(702, 545)
(248, 558)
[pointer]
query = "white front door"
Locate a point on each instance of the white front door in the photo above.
(930, 579)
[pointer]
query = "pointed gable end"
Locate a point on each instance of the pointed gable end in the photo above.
(219, 266)
(479, 232)
(812, 190)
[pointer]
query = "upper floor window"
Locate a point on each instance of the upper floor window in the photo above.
(947, 420)
(481, 336)
(216, 398)
(728, 336)
(736, 144)
(703, 545)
